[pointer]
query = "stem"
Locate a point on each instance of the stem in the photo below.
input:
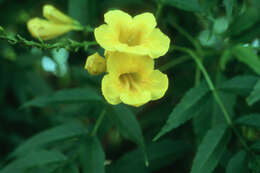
(215, 94)
(98, 122)
(158, 11)
(197, 76)
(187, 35)
(173, 63)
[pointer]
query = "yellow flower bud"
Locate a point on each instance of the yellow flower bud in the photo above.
(44, 29)
(95, 64)
(56, 16)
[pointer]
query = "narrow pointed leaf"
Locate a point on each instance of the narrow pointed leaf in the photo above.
(210, 150)
(188, 107)
(76, 95)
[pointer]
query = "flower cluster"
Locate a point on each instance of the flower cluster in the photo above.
(131, 44)
(57, 24)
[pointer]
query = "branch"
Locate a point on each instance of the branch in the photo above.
(68, 44)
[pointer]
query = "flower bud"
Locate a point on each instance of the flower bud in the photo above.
(45, 30)
(95, 64)
(56, 16)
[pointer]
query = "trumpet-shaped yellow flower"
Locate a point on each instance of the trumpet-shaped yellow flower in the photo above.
(128, 34)
(44, 29)
(56, 16)
(95, 64)
(131, 79)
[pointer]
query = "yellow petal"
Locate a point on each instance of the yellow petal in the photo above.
(158, 43)
(109, 90)
(158, 84)
(120, 63)
(144, 22)
(56, 16)
(136, 98)
(117, 18)
(95, 64)
(40, 28)
(106, 37)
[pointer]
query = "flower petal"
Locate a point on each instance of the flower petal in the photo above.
(109, 90)
(144, 22)
(137, 98)
(158, 43)
(120, 63)
(117, 17)
(106, 37)
(158, 84)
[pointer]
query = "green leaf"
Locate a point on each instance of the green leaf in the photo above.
(75, 95)
(66, 132)
(237, 163)
(187, 5)
(92, 156)
(210, 150)
(252, 120)
(188, 107)
(255, 94)
(247, 56)
(239, 84)
(128, 126)
(36, 160)
(241, 22)
(225, 58)
(161, 154)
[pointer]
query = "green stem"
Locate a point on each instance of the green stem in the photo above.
(187, 35)
(215, 94)
(98, 122)
(159, 9)
(173, 63)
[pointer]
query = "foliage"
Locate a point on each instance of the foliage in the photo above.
(54, 118)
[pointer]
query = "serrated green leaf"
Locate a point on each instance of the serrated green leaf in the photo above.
(42, 160)
(255, 94)
(128, 126)
(92, 156)
(247, 56)
(188, 107)
(187, 5)
(252, 120)
(76, 95)
(70, 131)
(210, 150)
(239, 84)
(161, 154)
(237, 163)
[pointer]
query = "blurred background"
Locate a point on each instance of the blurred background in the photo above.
(211, 27)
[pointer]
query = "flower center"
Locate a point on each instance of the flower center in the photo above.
(129, 37)
(130, 81)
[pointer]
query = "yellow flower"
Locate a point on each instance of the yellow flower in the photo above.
(131, 79)
(57, 24)
(128, 34)
(95, 64)
(56, 16)
(44, 29)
